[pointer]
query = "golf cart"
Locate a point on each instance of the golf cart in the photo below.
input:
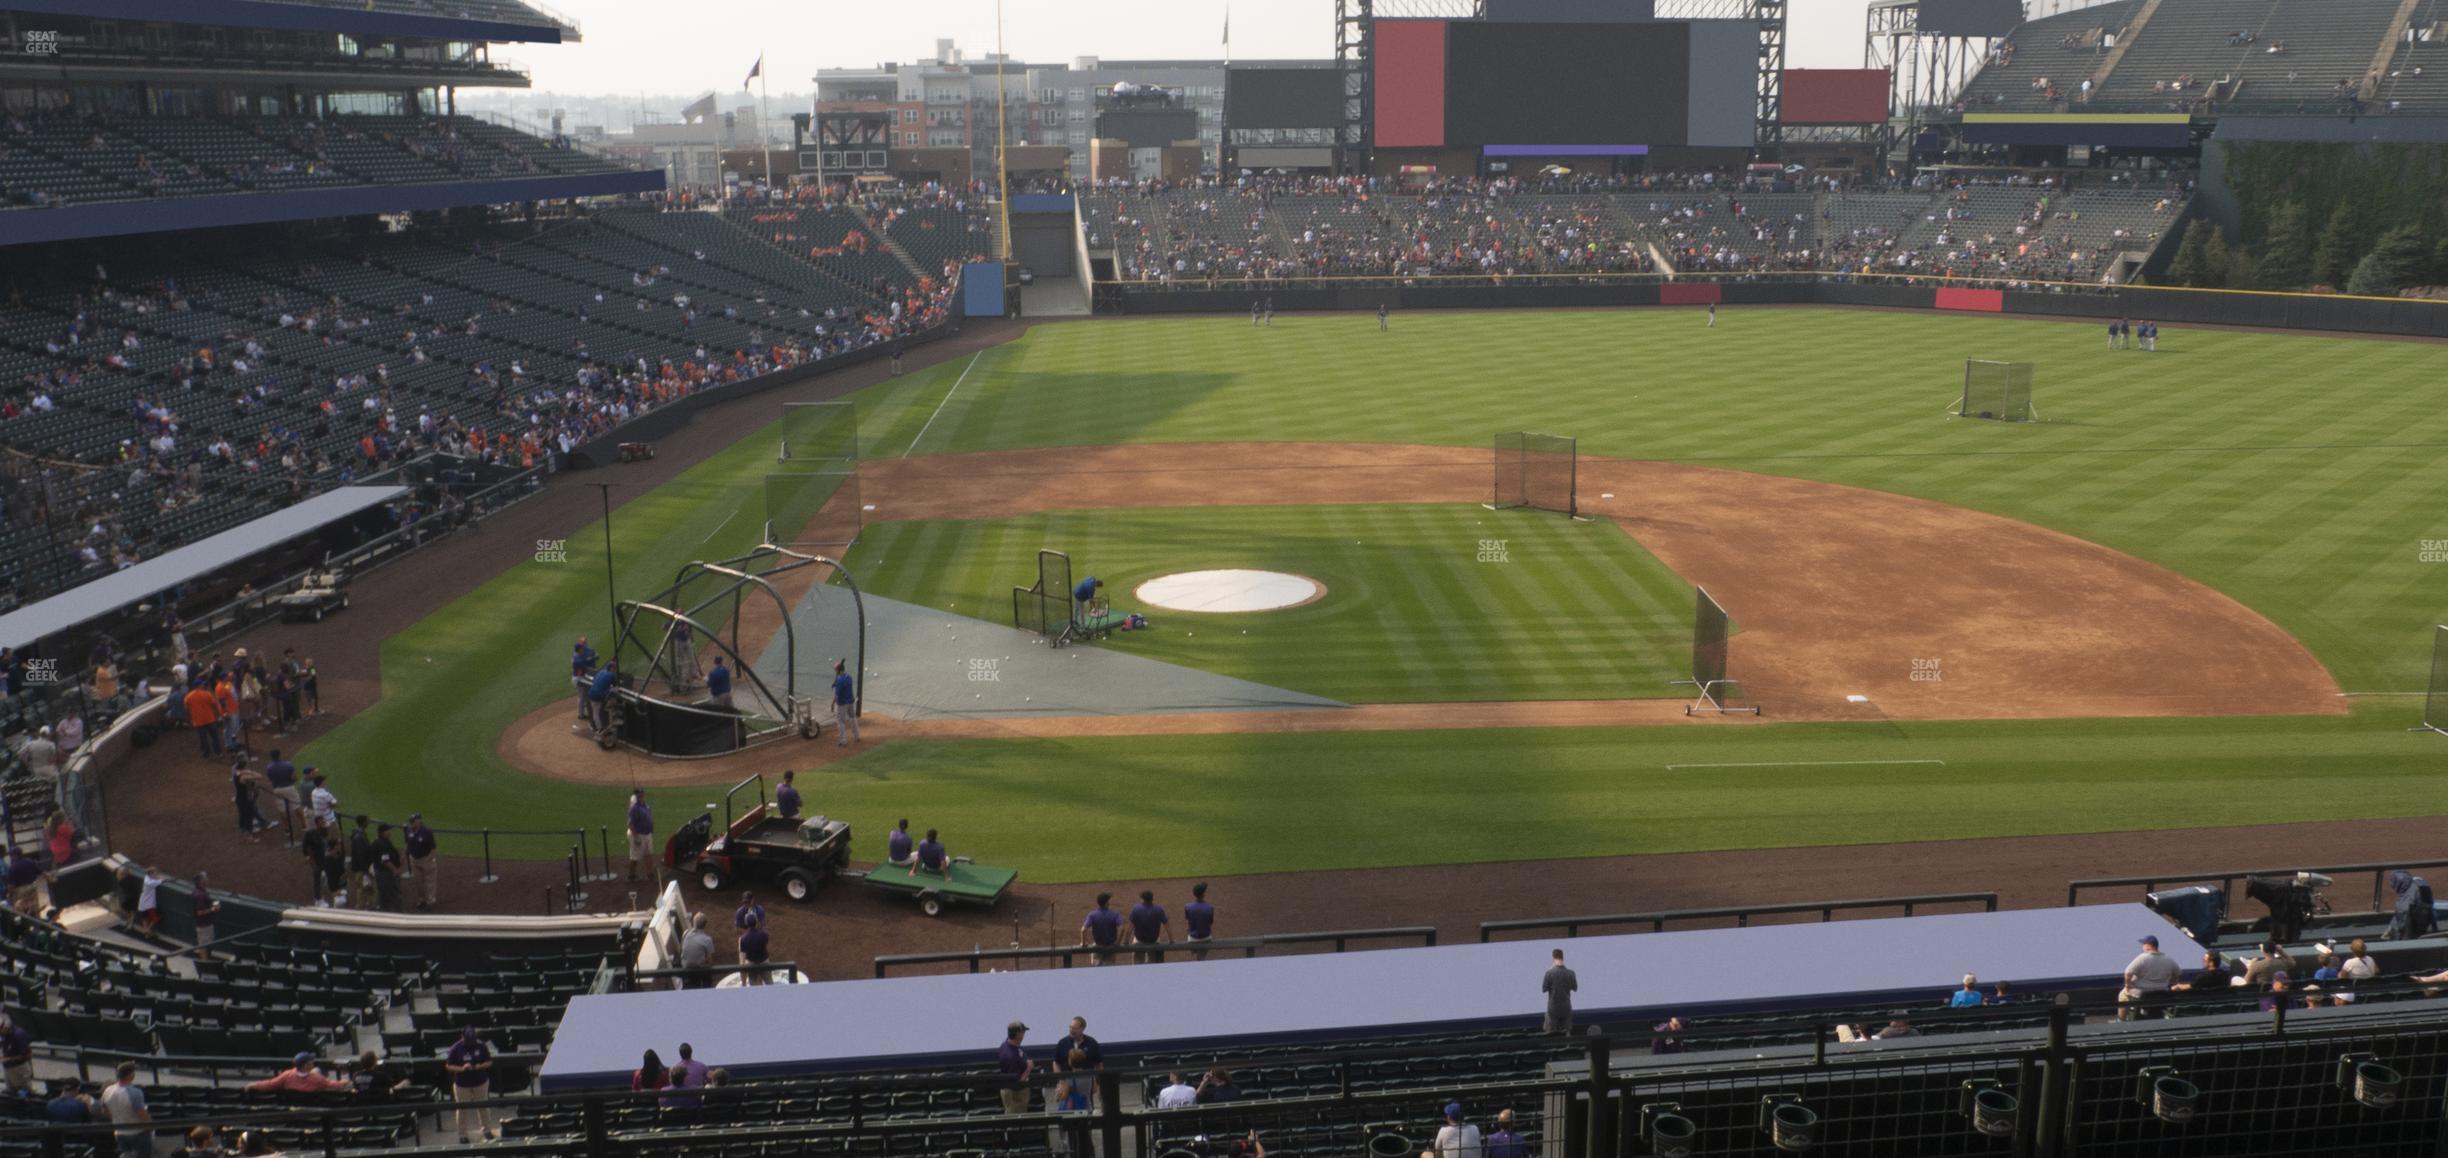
(317, 593)
(756, 845)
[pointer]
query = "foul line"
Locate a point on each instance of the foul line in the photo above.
(719, 526)
(1803, 764)
(947, 401)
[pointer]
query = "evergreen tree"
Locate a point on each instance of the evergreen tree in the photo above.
(2217, 263)
(2285, 256)
(2397, 260)
(2334, 258)
(2192, 263)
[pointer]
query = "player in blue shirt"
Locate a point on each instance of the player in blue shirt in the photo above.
(599, 695)
(718, 683)
(1082, 594)
(786, 798)
(845, 704)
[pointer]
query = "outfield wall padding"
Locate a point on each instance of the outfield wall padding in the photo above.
(1683, 293)
(1986, 301)
(2174, 307)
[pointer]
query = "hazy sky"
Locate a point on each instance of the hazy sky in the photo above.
(658, 46)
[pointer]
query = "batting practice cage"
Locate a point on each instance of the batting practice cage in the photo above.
(812, 501)
(2001, 391)
(734, 610)
(1710, 630)
(2435, 702)
(1539, 471)
(1045, 607)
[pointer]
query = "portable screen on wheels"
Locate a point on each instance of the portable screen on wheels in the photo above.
(1539, 471)
(2435, 702)
(2001, 391)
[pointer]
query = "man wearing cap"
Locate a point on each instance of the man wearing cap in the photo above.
(2149, 975)
(470, 1063)
(282, 775)
(1457, 1138)
(786, 797)
(300, 1078)
(845, 704)
(1016, 1066)
(1558, 984)
(641, 838)
(718, 684)
(421, 845)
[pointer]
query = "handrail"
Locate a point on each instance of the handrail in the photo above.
(1742, 914)
(2227, 877)
(866, 1114)
(1249, 946)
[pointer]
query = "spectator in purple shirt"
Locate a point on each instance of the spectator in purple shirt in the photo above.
(641, 838)
(1148, 923)
(1103, 928)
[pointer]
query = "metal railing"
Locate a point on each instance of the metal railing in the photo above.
(1341, 939)
(1742, 914)
(2226, 878)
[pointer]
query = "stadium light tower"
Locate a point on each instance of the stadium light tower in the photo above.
(1002, 137)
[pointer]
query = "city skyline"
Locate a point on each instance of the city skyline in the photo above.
(633, 47)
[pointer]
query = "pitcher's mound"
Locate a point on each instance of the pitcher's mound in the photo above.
(1233, 590)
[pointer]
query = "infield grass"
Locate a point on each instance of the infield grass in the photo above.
(2297, 474)
(1423, 602)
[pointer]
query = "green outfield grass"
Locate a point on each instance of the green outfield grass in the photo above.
(1415, 610)
(2296, 474)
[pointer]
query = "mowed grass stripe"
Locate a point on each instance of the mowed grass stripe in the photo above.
(1576, 610)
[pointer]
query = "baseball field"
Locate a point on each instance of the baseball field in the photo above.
(2194, 596)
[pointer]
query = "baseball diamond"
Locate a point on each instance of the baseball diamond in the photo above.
(1532, 577)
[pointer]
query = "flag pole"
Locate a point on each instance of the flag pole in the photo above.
(765, 130)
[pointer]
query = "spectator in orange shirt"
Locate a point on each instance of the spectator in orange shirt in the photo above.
(205, 718)
(233, 720)
(301, 1078)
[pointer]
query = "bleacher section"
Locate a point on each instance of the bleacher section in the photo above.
(2213, 56)
(256, 366)
(1988, 229)
(2056, 52)
(65, 160)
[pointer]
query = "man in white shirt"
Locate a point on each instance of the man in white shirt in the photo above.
(1458, 1139)
(1176, 1096)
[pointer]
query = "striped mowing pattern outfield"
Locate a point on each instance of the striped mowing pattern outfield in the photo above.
(1423, 602)
(2297, 474)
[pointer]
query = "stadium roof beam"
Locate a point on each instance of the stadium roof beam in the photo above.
(1924, 70)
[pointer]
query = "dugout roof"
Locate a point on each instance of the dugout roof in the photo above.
(781, 1030)
(80, 605)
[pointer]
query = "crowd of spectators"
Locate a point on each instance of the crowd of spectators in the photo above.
(1280, 228)
(245, 399)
